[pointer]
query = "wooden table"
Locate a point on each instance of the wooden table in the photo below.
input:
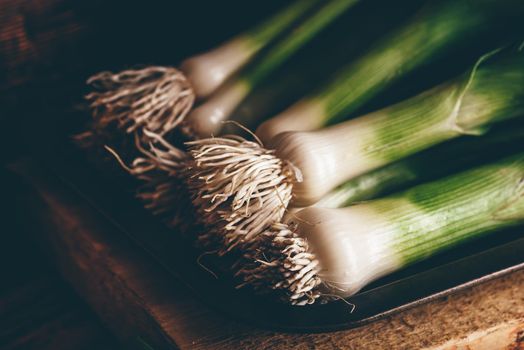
(38, 309)
(141, 304)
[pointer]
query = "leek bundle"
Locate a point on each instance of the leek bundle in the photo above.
(335, 252)
(251, 187)
(159, 98)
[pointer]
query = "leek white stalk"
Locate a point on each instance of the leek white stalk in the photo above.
(207, 119)
(437, 29)
(336, 252)
(247, 183)
(160, 97)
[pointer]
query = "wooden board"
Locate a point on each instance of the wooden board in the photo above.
(38, 309)
(142, 304)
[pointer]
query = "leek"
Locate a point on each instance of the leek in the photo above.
(335, 252)
(207, 119)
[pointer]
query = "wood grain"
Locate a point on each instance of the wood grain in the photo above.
(137, 299)
(43, 313)
(506, 336)
(38, 309)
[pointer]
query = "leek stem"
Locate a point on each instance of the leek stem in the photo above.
(493, 91)
(450, 157)
(436, 29)
(438, 215)
(264, 33)
(306, 31)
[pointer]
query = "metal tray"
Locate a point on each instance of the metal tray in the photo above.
(481, 260)
(441, 275)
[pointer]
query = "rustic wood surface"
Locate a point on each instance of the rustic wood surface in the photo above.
(139, 302)
(38, 309)
(507, 336)
(42, 312)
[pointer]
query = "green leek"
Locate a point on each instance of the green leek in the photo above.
(335, 252)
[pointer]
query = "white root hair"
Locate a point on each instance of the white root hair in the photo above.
(280, 262)
(157, 98)
(238, 187)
